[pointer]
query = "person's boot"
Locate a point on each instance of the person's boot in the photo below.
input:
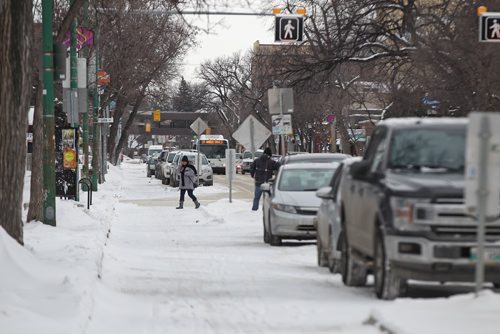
(197, 204)
(181, 205)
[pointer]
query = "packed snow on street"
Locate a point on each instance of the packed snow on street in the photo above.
(135, 264)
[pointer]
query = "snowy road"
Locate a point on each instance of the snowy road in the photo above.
(134, 264)
(208, 271)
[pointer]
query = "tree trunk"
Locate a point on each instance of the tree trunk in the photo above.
(113, 131)
(35, 211)
(15, 89)
(115, 153)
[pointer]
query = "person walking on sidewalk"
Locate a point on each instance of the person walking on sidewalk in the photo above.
(262, 169)
(187, 182)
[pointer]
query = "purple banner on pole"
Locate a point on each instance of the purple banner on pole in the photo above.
(84, 37)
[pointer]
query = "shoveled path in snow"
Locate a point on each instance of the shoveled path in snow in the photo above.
(208, 271)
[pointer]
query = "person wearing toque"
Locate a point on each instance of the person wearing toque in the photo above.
(262, 169)
(187, 182)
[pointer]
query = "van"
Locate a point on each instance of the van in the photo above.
(154, 150)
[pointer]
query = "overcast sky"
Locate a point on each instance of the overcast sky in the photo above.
(231, 34)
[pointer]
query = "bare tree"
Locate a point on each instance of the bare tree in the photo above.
(15, 87)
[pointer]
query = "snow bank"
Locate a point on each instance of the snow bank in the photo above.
(34, 296)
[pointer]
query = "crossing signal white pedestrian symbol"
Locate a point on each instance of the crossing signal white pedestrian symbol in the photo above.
(289, 28)
(489, 27)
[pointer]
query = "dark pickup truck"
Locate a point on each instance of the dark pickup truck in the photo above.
(405, 217)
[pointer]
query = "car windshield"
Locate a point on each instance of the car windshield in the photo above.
(214, 151)
(431, 149)
(305, 179)
(305, 158)
(170, 157)
(154, 153)
(248, 154)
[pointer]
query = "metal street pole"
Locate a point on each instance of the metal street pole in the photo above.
(49, 175)
(95, 116)
(74, 92)
(86, 111)
(482, 197)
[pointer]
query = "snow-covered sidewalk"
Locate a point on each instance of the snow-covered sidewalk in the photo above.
(127, 267)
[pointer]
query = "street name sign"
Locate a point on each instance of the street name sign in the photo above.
(105, 120)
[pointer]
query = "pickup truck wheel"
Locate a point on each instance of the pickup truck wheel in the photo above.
(322, 262)
(353, 273)
(387, 284)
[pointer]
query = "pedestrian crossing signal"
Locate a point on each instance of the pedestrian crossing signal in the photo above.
(289, 28)
(489, 27)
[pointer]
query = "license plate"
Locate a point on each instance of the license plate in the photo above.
(490, 253)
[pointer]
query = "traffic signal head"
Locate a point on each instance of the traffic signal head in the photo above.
(481, 10)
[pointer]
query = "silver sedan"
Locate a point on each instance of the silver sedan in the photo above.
(290, 203)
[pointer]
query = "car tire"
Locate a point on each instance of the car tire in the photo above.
(242, 172)
(148, 173)
(273, 239)
(496, 285)
(388, 285)
(267, 239)
(353, 272)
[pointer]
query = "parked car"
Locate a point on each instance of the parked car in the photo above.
(247, 160)
(162, 157)
(406, 218)
(205, 172)
(154, 150)
(290, 204)
(314, 158)
(151, 166)
(166, 166)
(328, 219)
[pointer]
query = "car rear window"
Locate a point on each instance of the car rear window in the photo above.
(305, 179)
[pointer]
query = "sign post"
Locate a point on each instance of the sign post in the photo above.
(281, 103)
(230, 170)
(482, 183)
(198, 126)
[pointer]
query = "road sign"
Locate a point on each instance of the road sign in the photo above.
(198, 126)
(251, 134)
(156, 115)
(280, 100)
(289, 28)
(105, 120)
(489, 27)
(282, 125)
(103, 78)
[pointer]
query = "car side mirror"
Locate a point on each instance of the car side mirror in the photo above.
(325, 193)
(360, 170)
(265, 187)
(271, 180)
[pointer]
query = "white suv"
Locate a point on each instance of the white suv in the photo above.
(203, 167)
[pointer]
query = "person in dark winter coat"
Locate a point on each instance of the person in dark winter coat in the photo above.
(187, 182)
(262, 169)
